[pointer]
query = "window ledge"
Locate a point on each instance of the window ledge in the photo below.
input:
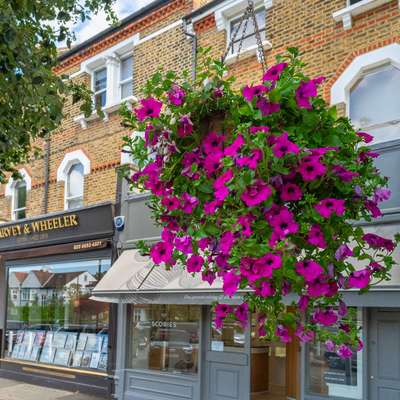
(346, 14)
(107, 110)
(246, 53)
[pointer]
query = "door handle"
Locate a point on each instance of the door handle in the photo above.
(372, 377)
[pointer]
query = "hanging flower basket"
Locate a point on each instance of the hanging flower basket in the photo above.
(261, 188)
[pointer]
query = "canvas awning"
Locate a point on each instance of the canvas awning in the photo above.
(134, 279)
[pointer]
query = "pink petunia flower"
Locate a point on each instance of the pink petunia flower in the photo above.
(343, 252)
(184, 244)
(257, 129)
(230, 283)
(291, 192)
(250, 161)
(330, 345)
(310, 168)
(283, 334)
(176, 95)
(309, 270)
(302, 303)
(232, 150)
(195, 263)
(307, 90)
(161, 252)
(150, 108)
(245, 221)
(304, 336)
(344, 351)
(325, 317)
(373, 208)
(265, 289)
(266, 107)
(284, 146)
(242, 314)
(221, 312)
(213, 143)
(189, 203)
(273, 73)
(249, 92)
(344, 174)
(381, 194)
(366, 137)
(213, 163)
(171, 203)
(226, 242)
(316, 237)
(211, 206)
(185, 126)
(329, 206)
(208, 276)
(359, 279)
(255, 194)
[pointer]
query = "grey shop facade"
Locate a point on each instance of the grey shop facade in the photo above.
(52, 333)
(168, 348)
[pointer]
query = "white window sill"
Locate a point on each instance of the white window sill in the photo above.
(107, 110)
(246, 53)
(346, 14)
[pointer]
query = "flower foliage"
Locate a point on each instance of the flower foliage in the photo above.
(260, 188)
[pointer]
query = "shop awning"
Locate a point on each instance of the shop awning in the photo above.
(134, 279)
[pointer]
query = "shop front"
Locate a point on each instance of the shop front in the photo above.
(52, 332)
(169, 347)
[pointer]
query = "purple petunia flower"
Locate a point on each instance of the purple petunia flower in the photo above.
(316, 237)
(273, 73)
(249, 92)
(195, 263)
(309, 270)
(366, 137)
(378, 242)
(329, 206)
(185, 127)
(150, 108)
(161, 252)
(359, 279)
(306, 90)
(266, 107)
(343, 252)
(283, 146)
(176, 95)
(311, 168)
(255, 194)
(291, 192)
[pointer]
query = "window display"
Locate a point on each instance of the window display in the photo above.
(165, 338)
(60, 325)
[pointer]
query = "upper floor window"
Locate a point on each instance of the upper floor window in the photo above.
(74, 187)
(100, 87)
(246, 32)
(19, 200)
(126, 75)
(374, 105)
(351, 2)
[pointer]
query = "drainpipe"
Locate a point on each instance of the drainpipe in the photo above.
(189, 31)
(46, 175)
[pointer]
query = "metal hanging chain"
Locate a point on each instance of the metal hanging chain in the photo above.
(248, 14)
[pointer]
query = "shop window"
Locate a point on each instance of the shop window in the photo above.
(165, 338)
(19, 200)
(126, 75)
(74, 187)
(100, 87)
(247, 32)
(330, 376)
(65, 328)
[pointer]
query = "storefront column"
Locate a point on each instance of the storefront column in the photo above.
(121, 351)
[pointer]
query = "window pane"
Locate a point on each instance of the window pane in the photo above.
(374, 99)
(230, 337)
(126, 68)
(100, 79)
(50, 317)
(249, 41)
(100, 99)
(75, 203)
(165, 338)
(20, 214)
(126, 90)
(75, 181)
(20, 192)
(329, 375)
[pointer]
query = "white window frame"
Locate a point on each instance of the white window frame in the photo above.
(10, 190)
(67, 198)
(69, 160)
(93, 83)
(127, 80)
(346, 14)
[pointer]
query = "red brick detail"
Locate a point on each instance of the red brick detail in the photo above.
(205, 24)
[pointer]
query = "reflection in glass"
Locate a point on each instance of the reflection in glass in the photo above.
(126, 75)
(329, 375)
(20, 200)
(231, 337)
(50, 317)
(165, 338)
(75, 186)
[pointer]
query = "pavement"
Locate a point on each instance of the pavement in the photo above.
(14, 390)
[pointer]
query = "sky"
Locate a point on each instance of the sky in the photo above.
(98, 22)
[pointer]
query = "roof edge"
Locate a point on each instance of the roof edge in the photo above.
(202, 10)
(114, 28)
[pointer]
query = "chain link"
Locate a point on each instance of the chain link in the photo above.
(248, 14)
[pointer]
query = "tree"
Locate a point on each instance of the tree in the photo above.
(32, 95)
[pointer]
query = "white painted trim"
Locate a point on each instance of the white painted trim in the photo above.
(233, 8)
(384, 55)
(74, 157)
(346, 14)
(9, 189)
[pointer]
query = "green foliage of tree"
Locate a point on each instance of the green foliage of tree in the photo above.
(31, 94)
